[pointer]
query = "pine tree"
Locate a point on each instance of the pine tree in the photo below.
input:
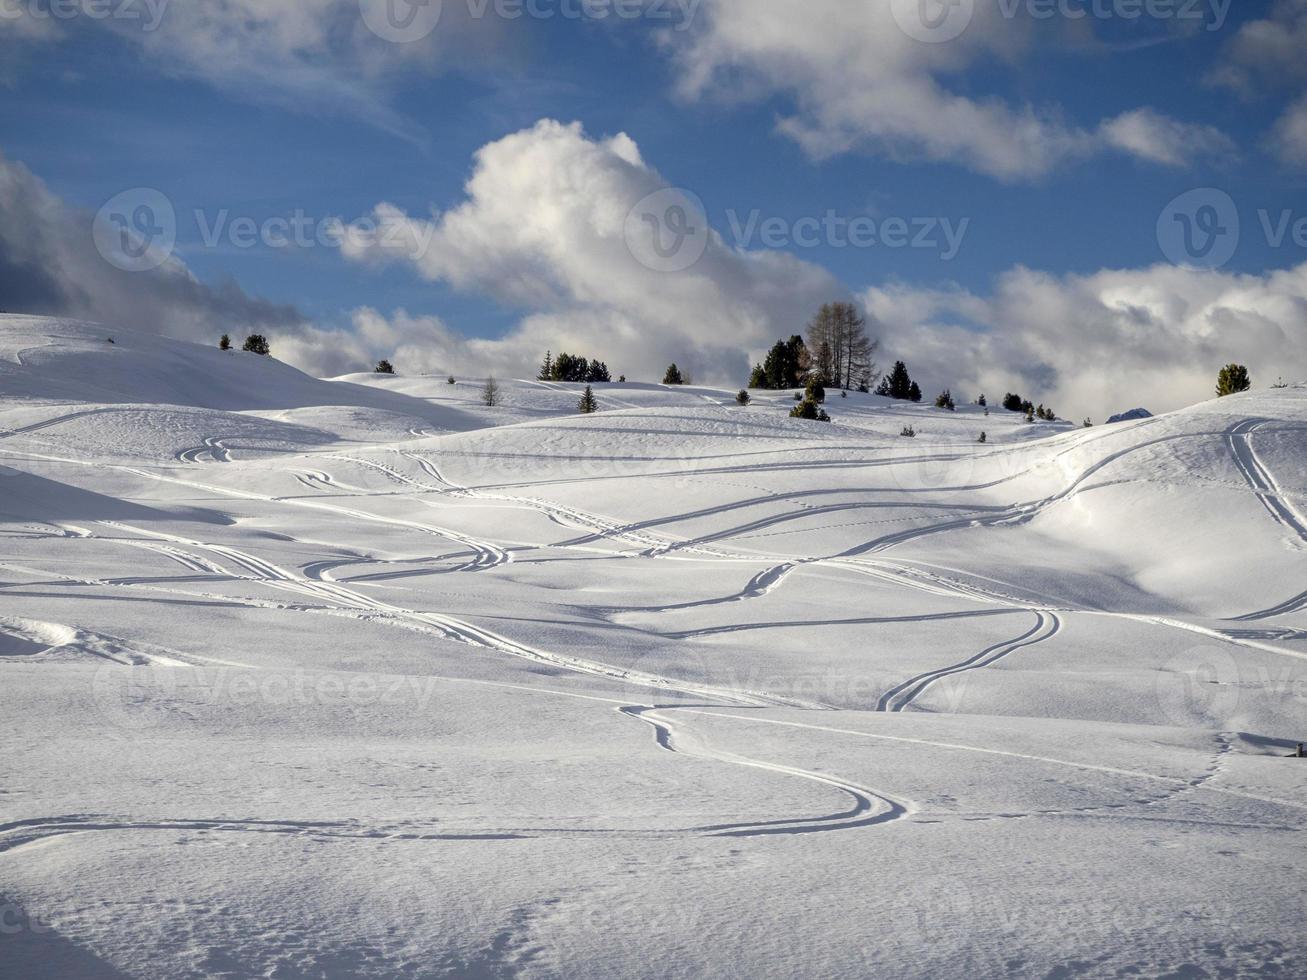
(984, 437)
(809, 409)
(599, 373)
(776, 366)
(384, 367)
(945, 400)
(1013, 403)
(914, 392)
(547, 368)
(908, 432)
(798, 362)
(982, 402)
(588, 405)
(743, 397)
(452, 380)
(1232, 380)
(898, 384)
(257, 344)
(490, 392)
(673, 376)
(224, 343)
(758, 377)
(816, 391)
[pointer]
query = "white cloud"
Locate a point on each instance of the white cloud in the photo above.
(1268, 54)
(543, 228)
(49, 265)
(1158, 139)
(859, 82)
(1101, 343)
(1290, 136)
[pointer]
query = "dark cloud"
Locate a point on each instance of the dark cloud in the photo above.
(49, 265)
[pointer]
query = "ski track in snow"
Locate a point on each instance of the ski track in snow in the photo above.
(211, 447)
(1276, 502)
(869, 807)
(1047, 626)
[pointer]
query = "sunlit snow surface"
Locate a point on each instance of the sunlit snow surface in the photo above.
(307, 678)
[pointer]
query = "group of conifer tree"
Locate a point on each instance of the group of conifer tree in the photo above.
(836, 352)
(575, 370)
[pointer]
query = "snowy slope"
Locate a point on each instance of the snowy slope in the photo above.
(363, 678)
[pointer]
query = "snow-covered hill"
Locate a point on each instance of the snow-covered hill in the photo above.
(361, 677)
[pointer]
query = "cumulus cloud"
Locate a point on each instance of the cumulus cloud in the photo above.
(859, 81)
(545, 228)
(49, 265)
(1100, 343)
(542, 228)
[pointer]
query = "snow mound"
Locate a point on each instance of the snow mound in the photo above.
(70, 360)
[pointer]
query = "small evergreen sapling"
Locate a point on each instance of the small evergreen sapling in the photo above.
(384, 367)
(743, 397)
(224, 342)
(588, 404)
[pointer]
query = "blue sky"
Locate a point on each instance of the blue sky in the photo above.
(94, 108)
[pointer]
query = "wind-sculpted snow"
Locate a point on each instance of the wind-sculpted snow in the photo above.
(362, 677)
